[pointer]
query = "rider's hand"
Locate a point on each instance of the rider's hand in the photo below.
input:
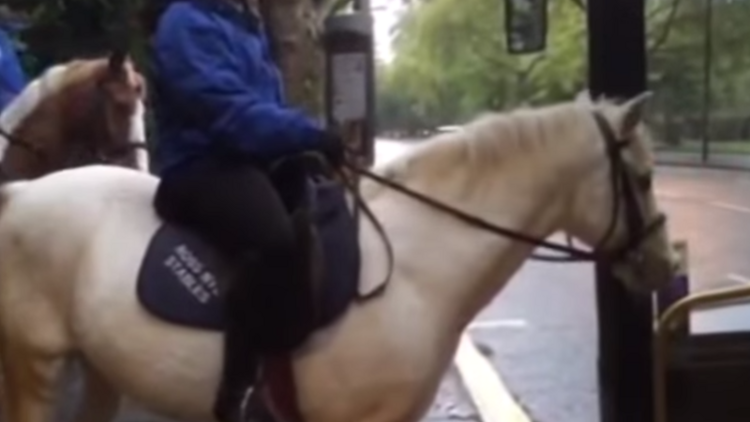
(332, 147)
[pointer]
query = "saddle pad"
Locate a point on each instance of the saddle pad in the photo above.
(178, 279)
(180, 274)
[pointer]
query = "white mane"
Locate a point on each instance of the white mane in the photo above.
(496, 139)
(28, 100)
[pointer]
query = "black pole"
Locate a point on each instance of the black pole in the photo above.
(617, 47)
(707, 62)
(617, 68)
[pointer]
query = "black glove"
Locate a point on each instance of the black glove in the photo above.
(332, 148)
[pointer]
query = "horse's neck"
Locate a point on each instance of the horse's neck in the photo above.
(457, 267)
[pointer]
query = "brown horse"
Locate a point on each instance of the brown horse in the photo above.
(77, 113)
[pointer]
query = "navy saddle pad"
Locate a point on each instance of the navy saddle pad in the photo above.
(180, 274)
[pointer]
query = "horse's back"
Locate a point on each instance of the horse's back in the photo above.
(53, 220)
(68, 207)
(83, 185)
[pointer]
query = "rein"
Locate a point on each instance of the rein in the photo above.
(635, 222)
(100, 156)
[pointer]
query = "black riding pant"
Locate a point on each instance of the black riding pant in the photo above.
(234, 205)
(240, 209)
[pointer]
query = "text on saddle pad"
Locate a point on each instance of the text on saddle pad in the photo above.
(192, 273)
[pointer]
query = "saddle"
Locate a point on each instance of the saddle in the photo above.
(181, 275)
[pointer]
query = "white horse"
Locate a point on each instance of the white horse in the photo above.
(71, 245)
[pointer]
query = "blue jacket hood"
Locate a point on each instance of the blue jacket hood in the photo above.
(12, 78)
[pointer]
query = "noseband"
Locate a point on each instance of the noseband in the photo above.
(85, 153)
(637, 228)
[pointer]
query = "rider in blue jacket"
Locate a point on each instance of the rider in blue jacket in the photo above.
(222, 121)
(12, 79)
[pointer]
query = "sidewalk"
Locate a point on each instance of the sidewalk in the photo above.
(693, 159)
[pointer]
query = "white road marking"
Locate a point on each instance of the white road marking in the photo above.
(731, 207)
(498, 323)
(737, 278)
(483, 384)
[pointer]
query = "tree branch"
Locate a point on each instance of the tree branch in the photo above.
(580, 3)
(664, 36)
(534, 63)
(659, 9)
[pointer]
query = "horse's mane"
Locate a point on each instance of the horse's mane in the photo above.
(50, 81)
(489, 140)
(495, 138)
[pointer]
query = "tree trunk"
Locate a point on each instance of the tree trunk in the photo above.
(298, 51)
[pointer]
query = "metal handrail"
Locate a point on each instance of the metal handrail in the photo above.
(678, 314)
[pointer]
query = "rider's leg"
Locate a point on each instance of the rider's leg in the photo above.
(237, 208)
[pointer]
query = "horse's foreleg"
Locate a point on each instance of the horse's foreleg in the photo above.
(100, 401)
(30, 384)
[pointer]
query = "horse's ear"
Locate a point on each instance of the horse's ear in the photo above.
(584, 97)
(632, 112)
(116, 62)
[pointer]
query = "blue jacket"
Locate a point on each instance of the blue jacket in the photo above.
(12, 79)
(217, 88)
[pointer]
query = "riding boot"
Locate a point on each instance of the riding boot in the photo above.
(270, 311)
(281, 299)
(308, 265)
(240, 367)
(301, 304)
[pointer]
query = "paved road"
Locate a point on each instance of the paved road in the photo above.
(541, 331)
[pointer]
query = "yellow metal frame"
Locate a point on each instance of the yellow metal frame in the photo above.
(677, 314)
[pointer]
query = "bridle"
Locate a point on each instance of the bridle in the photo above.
(93, 152)
(638, 229)
(81, 153)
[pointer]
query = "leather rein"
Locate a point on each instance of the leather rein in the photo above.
(638, 229)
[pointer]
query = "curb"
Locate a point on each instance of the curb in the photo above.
(706, 166)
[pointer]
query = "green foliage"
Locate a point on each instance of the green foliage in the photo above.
(678, 63)
(63, 29)
(451, 60)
